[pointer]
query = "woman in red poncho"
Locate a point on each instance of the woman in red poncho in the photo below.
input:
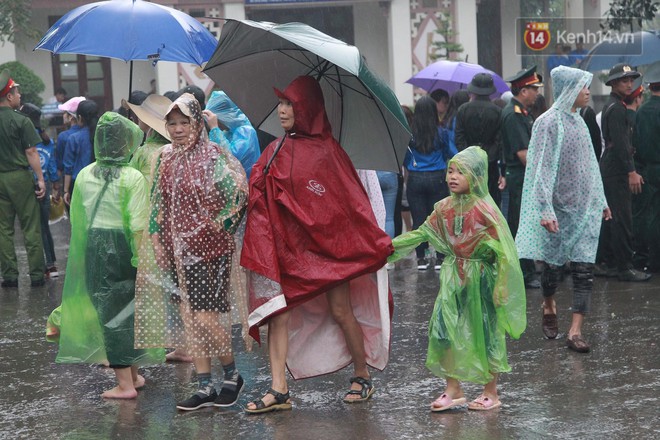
(312, 245)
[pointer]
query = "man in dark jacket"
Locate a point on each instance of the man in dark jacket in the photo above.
(620, 178)
(478, 123)
(646, 206)
(516, 130)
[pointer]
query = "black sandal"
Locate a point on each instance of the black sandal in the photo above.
(365, 393)
(282, 403)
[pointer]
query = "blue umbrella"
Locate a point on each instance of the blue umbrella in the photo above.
(636, 49)
(130, 30)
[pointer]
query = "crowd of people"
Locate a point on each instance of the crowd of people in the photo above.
(181, 227)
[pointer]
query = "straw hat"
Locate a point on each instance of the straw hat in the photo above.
(152, 112)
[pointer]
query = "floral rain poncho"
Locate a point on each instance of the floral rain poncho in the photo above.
(183, 285)
(109, 211)
(482, 294)
(562, 181)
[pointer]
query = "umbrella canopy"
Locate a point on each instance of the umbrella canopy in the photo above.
(452, 76)
(636, 49)
(130, 30)
(365, 115)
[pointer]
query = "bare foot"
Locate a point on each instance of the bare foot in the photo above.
(120, 393)
(178, 356)
(550, 310)
(138, 382)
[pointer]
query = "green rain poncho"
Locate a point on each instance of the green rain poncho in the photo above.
(482, 294)
(562, 181)
(109, 211)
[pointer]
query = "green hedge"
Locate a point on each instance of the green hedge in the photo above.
(31, 84)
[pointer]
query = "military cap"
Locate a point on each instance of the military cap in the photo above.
(482, 84)
(6, 83)
(638, 88)
(621, 70)
(652, 76)
(526, 77)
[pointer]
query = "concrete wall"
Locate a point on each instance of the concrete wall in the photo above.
(370, 31)
(400, 50)
(511, 62)
(466, 24)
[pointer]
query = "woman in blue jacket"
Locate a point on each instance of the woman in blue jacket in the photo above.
(425, 166)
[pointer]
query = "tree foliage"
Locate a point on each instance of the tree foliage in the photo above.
(31, 84)
(15, 18)
(625, 13)
(446, 49)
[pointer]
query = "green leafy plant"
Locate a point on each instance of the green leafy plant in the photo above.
(15, 18)
(31, 84)
(625, 13)
(446, 49)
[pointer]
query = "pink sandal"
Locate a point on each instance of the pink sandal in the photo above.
(444, 402)
(484, 403)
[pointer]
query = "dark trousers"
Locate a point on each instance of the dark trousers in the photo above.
(493, 178)
(46, 237)
(646, 221)
(514, 182)
(424, 190)
(583, 282)
(615, 244)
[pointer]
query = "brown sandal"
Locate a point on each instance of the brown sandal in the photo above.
(577, 343)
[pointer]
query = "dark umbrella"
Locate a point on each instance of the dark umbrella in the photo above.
(130, 30)
(365, 115)
(635, 49)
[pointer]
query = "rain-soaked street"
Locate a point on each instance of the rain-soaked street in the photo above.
(612, 392)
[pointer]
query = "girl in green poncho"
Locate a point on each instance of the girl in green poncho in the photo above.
(482, 294)
(109, 211)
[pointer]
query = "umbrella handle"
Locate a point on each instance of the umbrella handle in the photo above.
(277, 149)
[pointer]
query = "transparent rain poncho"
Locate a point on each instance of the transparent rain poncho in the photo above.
(109, 211)
(482, 294)
(562, 180)
(240, 136)
(184, 297)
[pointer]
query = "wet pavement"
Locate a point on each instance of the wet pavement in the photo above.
(612, 392)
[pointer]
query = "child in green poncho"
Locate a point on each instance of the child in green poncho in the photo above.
(482, 293)
(109, 211)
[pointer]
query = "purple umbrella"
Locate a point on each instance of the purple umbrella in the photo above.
(452, 76)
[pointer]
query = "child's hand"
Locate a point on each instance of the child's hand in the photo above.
(550, 225)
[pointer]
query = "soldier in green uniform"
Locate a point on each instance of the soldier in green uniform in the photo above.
(620, 177)
(516, 129)
(18, 153)
(646, 206)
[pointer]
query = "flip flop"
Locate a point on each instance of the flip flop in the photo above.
(483, 403)
(445, 402)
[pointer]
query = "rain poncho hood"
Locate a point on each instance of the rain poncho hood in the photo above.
(306, 98)
(482, 293)
(310, 228)
(115, 140)
(198, 200)
(109, 211)
(562, 180)
(240, 137)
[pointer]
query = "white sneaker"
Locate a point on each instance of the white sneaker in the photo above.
(422, 264)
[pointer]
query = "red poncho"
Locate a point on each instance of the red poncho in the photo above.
(310, 227)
